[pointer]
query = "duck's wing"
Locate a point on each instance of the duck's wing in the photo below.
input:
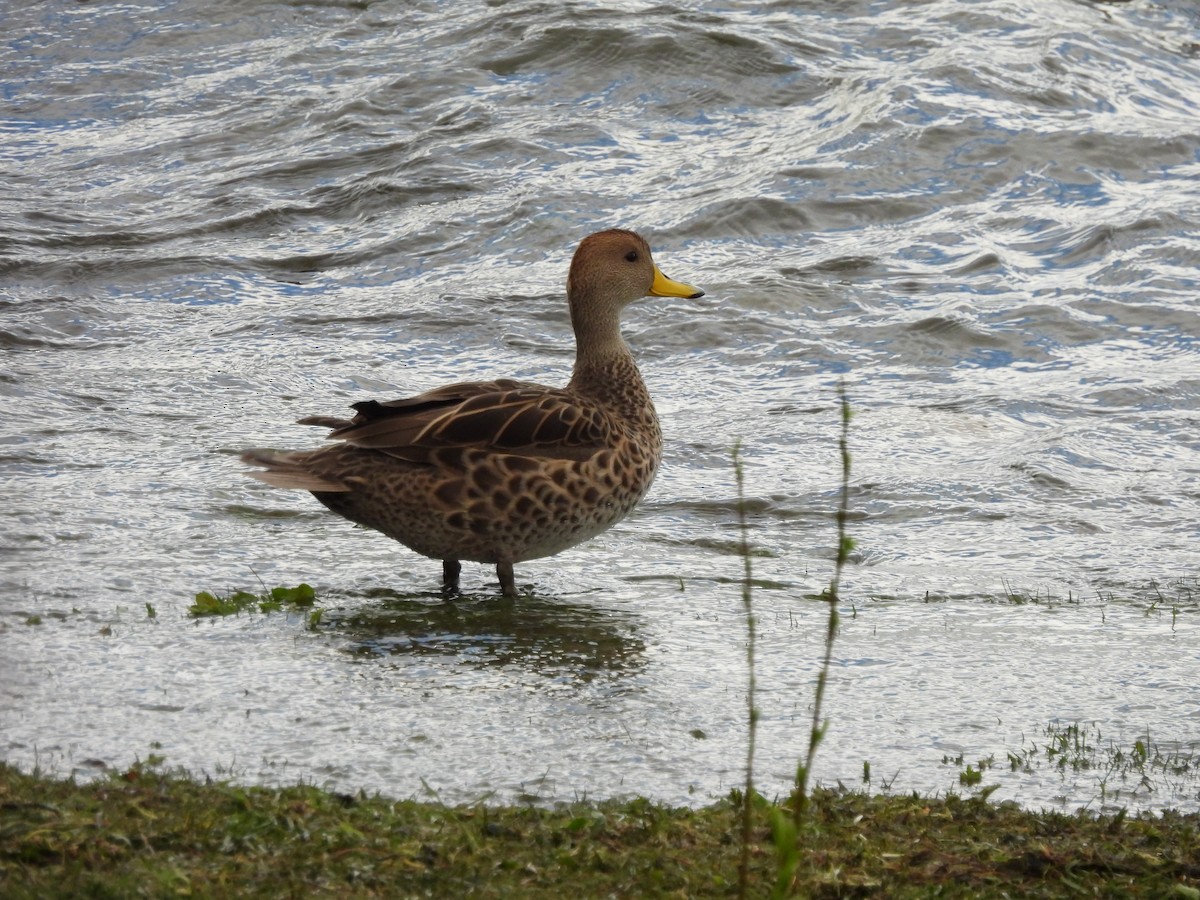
(413, 407)
(505, 416)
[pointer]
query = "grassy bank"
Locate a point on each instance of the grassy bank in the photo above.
(148, 833)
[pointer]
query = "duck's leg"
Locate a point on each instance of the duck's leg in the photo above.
(508, 584)
(450, 572)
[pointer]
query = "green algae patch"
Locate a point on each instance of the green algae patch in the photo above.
(206, 603)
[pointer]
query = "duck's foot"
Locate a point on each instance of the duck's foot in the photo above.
(508, 584)
(451, 568)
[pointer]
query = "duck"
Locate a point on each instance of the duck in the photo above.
(502, 472)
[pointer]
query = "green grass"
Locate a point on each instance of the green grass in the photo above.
(144, 832)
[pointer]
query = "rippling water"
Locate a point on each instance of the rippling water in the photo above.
(218, 217)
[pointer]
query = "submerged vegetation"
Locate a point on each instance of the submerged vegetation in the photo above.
(1120, 770)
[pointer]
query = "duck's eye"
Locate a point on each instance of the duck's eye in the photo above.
(632, 256)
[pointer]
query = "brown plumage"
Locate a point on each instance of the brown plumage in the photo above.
(504, 471)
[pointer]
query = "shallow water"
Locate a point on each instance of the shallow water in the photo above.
(216, 218)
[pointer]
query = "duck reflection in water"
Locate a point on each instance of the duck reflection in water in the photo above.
(542, 635)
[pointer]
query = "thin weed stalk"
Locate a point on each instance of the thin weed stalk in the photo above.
(785, 830)
(832, 597)
(751, 709)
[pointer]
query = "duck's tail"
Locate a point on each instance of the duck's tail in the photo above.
(290, 470)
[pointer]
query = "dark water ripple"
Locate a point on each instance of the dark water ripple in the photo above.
(218, 217)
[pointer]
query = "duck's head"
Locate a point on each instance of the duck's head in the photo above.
(610, 270)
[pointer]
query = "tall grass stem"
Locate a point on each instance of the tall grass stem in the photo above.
(751, 633)
(832, 597)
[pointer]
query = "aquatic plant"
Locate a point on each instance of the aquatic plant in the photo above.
(206, 603)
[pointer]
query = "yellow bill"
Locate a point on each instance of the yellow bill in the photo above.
(665, 287)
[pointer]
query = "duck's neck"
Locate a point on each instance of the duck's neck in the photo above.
(606, 372)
